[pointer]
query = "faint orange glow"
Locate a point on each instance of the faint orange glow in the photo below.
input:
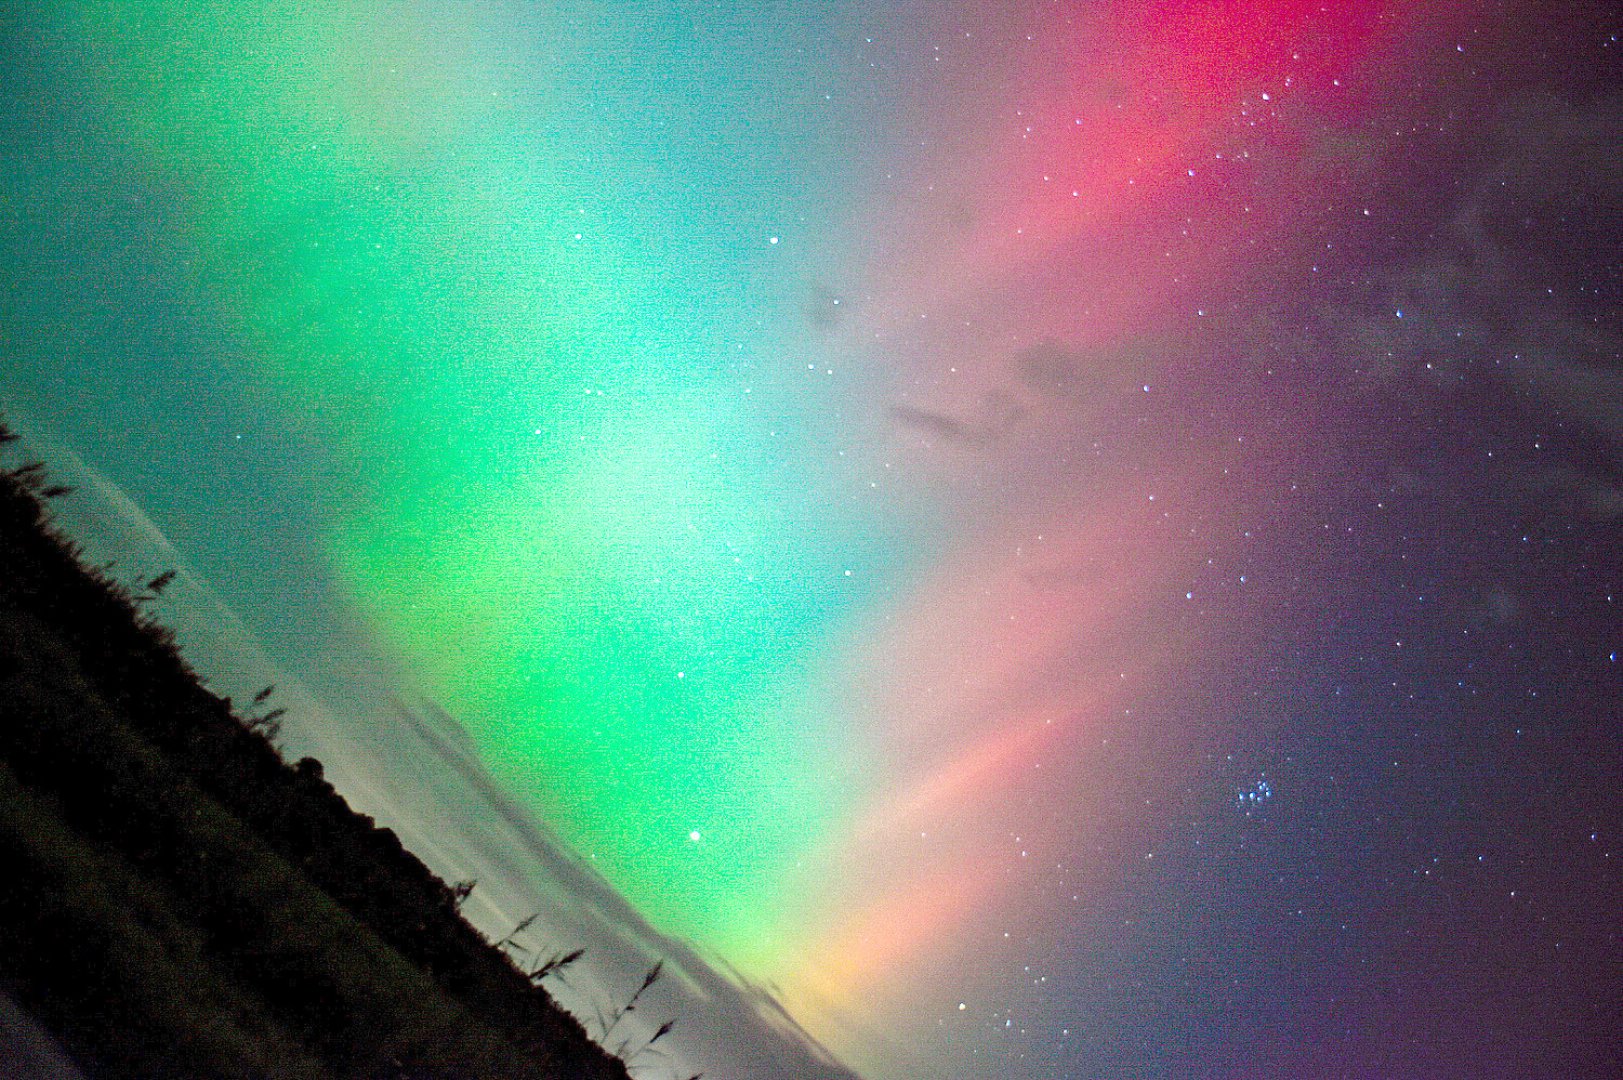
(875, 943)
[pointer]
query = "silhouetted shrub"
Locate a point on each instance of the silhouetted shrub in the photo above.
(179, 901)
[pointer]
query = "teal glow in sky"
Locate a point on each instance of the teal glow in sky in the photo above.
(536, 285)
(859, 472)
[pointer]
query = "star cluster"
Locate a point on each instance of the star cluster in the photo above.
(1067, 539)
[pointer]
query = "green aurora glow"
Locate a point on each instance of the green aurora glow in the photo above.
(547, 495)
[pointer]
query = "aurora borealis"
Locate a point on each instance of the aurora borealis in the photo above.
(1066, 539)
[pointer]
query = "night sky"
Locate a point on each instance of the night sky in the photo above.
(1053, 539)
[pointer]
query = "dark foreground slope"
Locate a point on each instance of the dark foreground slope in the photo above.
(177, 901)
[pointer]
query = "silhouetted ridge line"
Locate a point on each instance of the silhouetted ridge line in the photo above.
(187, 904)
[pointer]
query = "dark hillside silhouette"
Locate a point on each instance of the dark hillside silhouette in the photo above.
(178, 901)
